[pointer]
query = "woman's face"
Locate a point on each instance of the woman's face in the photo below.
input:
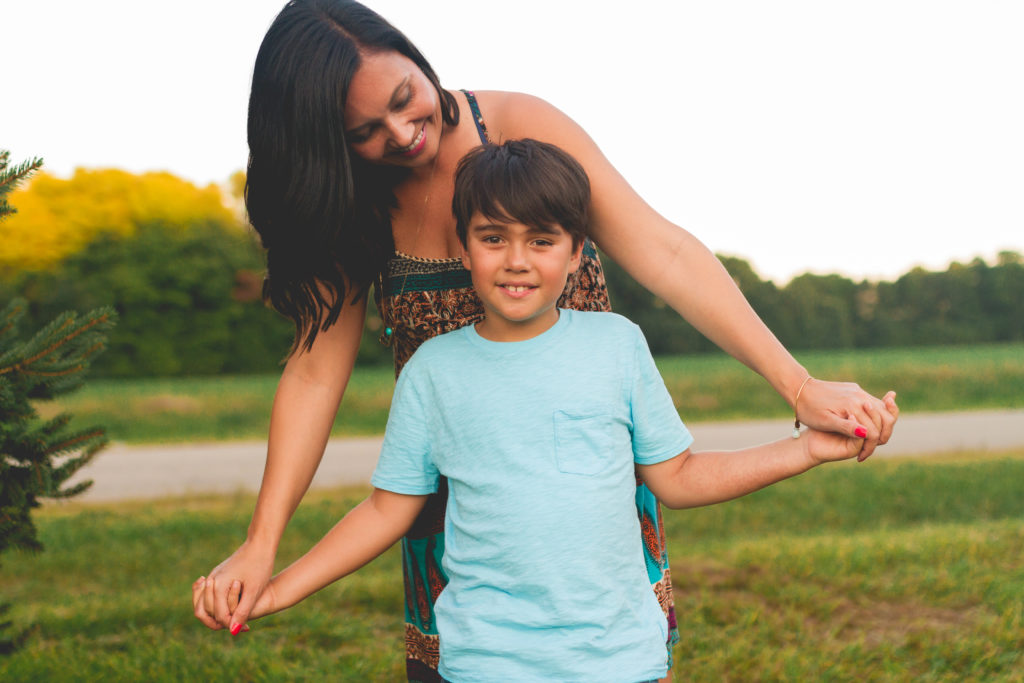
(392, 113)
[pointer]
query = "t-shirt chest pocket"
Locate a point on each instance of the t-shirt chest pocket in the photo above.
(587, 443)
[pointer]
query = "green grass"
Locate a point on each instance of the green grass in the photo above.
(212, 408)
(716, 387)
(890, 570)
(706, 387)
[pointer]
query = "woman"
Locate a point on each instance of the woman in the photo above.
(353, 146)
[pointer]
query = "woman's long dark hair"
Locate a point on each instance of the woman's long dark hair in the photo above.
(323, 214)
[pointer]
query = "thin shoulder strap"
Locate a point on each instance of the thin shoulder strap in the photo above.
(478, 119)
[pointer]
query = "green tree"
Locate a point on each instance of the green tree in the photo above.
(824, 311)
(666, 331)
(764, 297)
(1003, 297)
(187, 296)
(37, 457)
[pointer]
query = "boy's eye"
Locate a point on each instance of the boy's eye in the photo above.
(490, 239)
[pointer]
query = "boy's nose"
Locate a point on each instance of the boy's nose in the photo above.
(516, 257)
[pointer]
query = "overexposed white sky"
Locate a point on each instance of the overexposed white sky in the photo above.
(861, 137)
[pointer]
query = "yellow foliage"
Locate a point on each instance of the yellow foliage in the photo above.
(235, 189)
(57, 217)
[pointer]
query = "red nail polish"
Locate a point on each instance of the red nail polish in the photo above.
(860, 432)
(236, 629)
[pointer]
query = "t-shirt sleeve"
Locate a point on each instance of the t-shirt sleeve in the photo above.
(658, 432)
(405, 464)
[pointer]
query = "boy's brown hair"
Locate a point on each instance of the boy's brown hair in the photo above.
(523, 181)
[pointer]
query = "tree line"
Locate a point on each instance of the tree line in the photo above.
(970, 303)
(185, 276)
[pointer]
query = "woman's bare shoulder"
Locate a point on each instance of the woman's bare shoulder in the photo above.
(518, 115)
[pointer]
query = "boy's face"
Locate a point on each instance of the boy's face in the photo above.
(519, 273)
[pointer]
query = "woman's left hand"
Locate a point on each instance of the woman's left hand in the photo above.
(845, 408)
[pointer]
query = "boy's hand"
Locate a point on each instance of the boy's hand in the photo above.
(823, 447)
(830, 447)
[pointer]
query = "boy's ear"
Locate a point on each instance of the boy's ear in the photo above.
(464, 255)
(577, 257)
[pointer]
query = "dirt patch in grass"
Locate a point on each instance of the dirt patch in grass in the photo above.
(47, 411)
(169, 403)
(856, 619)
(692, 575)
(878, 623)
(700, 401)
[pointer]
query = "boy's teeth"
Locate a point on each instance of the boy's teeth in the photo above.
(516, 288)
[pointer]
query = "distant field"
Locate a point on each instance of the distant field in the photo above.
(891, 570)
(705, 387)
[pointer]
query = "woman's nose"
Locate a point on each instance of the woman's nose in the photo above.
(401, 131)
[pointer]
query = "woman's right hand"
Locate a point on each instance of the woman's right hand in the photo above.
(226, 597)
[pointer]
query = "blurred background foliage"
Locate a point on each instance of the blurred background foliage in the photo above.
(176, 261)
(184, 273)
(59, 217)
(971, 303)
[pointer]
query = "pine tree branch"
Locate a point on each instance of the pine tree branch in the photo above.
(23, 365)
(57, 373)
(73, 441)
(10, 178)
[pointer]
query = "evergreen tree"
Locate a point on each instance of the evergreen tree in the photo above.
(38, 456)
(10, 178)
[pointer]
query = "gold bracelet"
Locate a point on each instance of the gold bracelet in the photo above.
(796, 401)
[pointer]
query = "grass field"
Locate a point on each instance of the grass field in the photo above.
(706, 387)
(892, 570)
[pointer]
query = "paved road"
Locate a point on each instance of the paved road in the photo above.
(142, 472)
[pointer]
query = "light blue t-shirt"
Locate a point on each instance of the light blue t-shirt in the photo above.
(543, 550)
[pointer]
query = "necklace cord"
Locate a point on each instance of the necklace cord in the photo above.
(387, 333)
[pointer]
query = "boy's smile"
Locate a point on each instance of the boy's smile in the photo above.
(519, 273)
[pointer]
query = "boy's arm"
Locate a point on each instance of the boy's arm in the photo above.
(707, 477)
(364, 533)
(374, 525)
(692, 479)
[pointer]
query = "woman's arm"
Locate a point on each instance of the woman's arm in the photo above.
(304, 409)
(678, 268)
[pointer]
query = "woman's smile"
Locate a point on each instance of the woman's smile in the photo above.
(417, 144)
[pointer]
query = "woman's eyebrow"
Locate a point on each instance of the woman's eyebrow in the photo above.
(395, 97)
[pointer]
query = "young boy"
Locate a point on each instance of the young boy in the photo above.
(540, 419)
